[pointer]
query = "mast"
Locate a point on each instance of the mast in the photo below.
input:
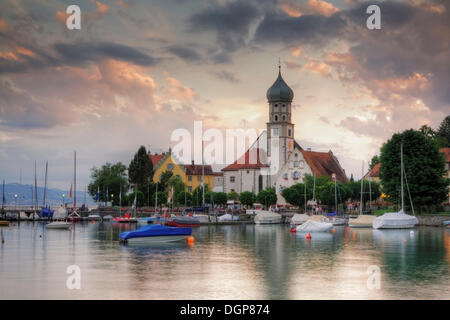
(203, 180)
(75, 182)
(304, 183)
(35, 199)
(44, 203)
(370, 192)
(120, 200)
(362, 180)
(20, 186)
(156, 200)
(3, 197)
(335, 194)
(401, 175)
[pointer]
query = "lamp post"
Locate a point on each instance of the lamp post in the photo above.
(112, 200)
(15, 202)
(63, 195)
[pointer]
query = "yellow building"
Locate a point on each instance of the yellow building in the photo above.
(191, 175)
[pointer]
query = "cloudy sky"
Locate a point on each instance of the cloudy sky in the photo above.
(137, 70)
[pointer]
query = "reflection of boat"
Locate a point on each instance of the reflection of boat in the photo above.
(155, 233)
(397, 220)
(58, 225)
(184, 221)
(393, 236)
(363, 220)
(4, 223)
(124, 220)
(107, 218)
(267, 217)
(314, 226)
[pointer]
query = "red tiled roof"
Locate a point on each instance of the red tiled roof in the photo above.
(250, 160)
(218, 174)
(324, 164)
(156, 158)
(446, 152)
(196, 169)
(375, 172)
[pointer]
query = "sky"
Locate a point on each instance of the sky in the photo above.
(137, 70)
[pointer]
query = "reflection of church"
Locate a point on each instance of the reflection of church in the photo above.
(245, 174)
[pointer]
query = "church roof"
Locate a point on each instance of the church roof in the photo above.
(252, 159)
(280, 91)
(324, 164)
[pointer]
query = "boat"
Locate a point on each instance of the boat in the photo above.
(336, 221)
(155, 233)
(363, 220)
(46, 213)
(59, 225)
(299, 218)
(203, 218)
(94, 217)
(267, 217)
(446, 223)
(184, 221)
(74, 216)
(397, 220)
(227, 217)
(146, 220)
(314, 226)
(4, 223)
(126, 219)
(60, 213)
(107, 218)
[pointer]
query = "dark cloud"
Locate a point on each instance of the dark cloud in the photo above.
(184, 52)
(230, 22)
(227, 76)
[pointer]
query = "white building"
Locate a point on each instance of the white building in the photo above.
(245, 174)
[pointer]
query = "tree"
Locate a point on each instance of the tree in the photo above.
(427, 131)
(109, 176)
(140, 198)
(197, 195)
(373, 162)
(443, 133)
(177, 184)
(233, 195)
(247, 198)
(162, 198)
(220, 198)
(184, 198)
(267, 197)
(140, 170)
(424, 167)
(163, 183)
(295, 195)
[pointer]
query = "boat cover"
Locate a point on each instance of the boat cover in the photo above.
(46, 213)
(299, 218)
(186, 220)
(265, 216)
(395, 219)
(60, 213)
(314, 226)
(362, 220)
(331, 214)
(155, 230)
(228, 217)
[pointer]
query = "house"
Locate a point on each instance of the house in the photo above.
(446, 152)
(374, 173)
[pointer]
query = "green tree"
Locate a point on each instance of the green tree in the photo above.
(424, 167)
(162, 198)
(295, 195)
(267, 197)
(140, 198)
(443, 133)
(177, 184)
(247, 198)
(183, 198)
(373, 162)
(140, 170)
(197, 195)
(163, 183)
(220, 198)
(111, 176)
(232, 195)
(427, 131)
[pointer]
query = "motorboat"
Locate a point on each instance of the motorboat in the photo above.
(4, 223)
(107, 218)
(395, 220)
(336, 221)
(362, 221)
(155, 233)
(299, 218)
(203, 218)
(314, 226)
(446, 223)
(59, 225)
(94, 217)
(146, 220)
(60, 213)
(184, 221)
(267, 217)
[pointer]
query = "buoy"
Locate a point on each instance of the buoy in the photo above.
(190, 240)
(411, 233)
(333, 230)
(308, 236)
(348, 229)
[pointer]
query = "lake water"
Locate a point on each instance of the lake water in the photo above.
(226, 262)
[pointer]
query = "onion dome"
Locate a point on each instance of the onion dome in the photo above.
(280, 91)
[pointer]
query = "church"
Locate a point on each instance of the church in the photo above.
(248, 172)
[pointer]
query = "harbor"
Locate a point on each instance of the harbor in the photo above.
(226, 262)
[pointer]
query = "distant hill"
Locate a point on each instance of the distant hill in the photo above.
(54, 196)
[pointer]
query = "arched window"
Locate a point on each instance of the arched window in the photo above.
(284, 118)
(276, 118)
(289, 133)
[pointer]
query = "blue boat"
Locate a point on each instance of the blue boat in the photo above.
(46, 213)
(155, 233)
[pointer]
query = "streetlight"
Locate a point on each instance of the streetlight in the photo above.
(63, 195)
(112, 199)
(15, 199)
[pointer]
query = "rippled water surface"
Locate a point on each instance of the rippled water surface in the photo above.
(226, 262)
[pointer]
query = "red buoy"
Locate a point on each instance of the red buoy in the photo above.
(308, 236)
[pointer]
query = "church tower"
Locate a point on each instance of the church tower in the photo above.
(280, 129)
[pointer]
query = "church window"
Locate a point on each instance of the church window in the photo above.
(296, 163)
(284, 106)
(295, 175)
(284, 118)
(170, 166)
(289, 132)
(302, 164)
(232, 179)
(276, 105)
(276, 118)
(275, 132)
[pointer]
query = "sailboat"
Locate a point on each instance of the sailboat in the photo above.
(397, 220)
(46, 212)
(363, 220)
(74, 216)
(3, 222)
(336, 221)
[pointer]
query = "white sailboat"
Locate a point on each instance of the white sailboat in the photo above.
(363, 220)
(396, 220)
(267, 217)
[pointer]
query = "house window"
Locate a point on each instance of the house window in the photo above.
(199, 178)
(232, 179)
(189, 178)
(289, 132)
(285, 176)
(189, 189)
(302, 164)
(248, 171)
(295, 175)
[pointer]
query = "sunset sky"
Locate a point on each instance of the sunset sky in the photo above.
(137, 70)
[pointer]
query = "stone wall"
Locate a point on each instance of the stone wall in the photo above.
(433, 220)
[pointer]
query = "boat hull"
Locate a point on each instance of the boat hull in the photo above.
(182, 225)
(273, 221)
(59, 225)
(156, 239)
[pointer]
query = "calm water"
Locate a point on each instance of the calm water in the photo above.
(226, 262)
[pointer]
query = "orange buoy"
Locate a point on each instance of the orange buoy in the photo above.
(333, 230)
(308, 236)
(190, 240)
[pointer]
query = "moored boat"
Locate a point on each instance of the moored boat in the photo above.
(155, 233)
(58, 225)
(4, 223)
(94, 217)
(314, 226)
(267, 217)
(299, 218)
(184, 221)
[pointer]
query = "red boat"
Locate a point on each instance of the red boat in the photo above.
(126, 219)
(184, 222)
